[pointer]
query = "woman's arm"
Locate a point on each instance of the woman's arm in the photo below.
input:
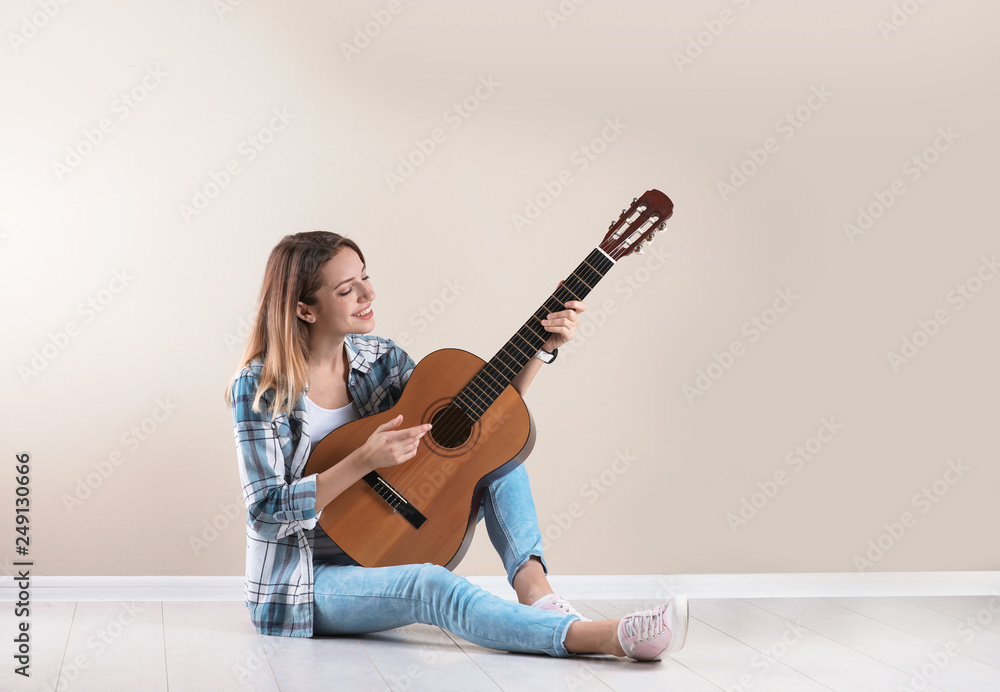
(385, 447)
(275, 508)
(339, 478)
(562, 325)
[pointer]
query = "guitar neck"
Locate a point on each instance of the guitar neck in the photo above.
(490, 381)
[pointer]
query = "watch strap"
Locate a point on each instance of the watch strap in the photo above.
(545, 356)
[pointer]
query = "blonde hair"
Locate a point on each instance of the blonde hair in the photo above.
(279, 337)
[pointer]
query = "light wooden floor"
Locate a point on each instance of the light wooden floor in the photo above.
(799, 645)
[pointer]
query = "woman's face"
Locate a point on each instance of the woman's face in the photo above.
(343, 303)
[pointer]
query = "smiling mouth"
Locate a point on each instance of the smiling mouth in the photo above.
(364, 312)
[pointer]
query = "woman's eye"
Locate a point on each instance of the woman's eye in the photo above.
(364, 278)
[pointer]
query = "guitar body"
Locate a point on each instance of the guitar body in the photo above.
(425, 509)
(444, 481)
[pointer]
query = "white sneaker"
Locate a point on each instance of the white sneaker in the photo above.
(557, 604)
(648, 634)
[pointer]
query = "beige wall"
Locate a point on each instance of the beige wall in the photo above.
(172, 292)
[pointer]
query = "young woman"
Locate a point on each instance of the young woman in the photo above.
(310, 365)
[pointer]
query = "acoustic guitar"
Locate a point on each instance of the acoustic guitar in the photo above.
(425, 509)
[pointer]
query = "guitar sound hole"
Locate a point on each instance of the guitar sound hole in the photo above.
(451, 427)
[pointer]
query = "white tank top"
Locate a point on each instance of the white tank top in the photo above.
(321, 422)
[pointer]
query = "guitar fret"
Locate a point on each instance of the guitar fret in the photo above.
(575, 296)
(485, 371)
(480, 399)
(494, 377)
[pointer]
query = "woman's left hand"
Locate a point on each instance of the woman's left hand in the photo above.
(562, 324)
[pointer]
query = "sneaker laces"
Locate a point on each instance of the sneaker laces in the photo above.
(646, 624)
(563, 605)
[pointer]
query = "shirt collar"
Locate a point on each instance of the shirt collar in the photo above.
(358, 360)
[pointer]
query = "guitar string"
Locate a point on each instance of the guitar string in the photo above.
(414, 466)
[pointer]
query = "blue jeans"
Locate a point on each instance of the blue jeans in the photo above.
(350, 599)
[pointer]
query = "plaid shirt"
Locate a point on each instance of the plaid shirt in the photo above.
(281, 504)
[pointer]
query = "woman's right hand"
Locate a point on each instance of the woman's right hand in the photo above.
(388, 446)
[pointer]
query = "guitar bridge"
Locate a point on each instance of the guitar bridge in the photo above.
(394, 499)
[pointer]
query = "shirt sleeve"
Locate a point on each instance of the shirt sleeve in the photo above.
(276, 505)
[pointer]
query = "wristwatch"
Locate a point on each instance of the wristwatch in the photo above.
(545, 356)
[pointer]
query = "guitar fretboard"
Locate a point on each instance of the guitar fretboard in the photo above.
(490, 381)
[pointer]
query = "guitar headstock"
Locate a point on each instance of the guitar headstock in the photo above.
(637, 224)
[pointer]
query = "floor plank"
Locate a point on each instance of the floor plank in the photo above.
(214, 646)
(757, 645)
(944, 666)
(819, 658)
(714, 659)
(48, 629)
(972, 640)
(116, 646)
(321, 664)
(981, 611)
(420, 657)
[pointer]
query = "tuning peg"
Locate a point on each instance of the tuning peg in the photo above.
(661, 226)
(623, 211)
(638, 248)
(634, 200)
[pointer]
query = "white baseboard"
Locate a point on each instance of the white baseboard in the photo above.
(574, 587)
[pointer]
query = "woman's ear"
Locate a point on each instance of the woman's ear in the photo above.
(304, 312)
